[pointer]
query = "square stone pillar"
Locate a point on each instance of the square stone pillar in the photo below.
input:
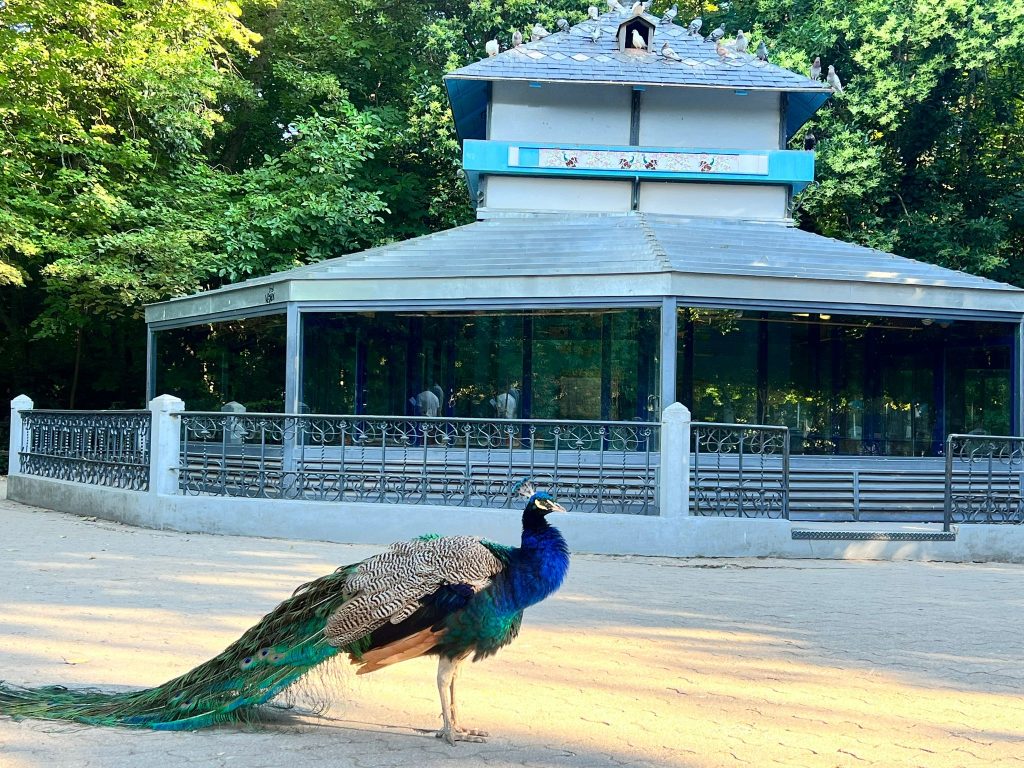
(18, 404)
(674, 471)
(165, 445)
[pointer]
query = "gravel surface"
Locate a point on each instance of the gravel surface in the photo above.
(636, 661)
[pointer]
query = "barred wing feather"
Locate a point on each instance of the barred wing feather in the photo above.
(388, 588)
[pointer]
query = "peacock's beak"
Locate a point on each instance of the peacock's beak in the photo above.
(556, 507)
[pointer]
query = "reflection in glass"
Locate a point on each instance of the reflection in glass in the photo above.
(216, 363)
(543, 365)
(844, 384)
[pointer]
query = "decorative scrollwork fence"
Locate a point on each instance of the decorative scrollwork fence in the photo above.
(591, 466)
(984, 479)
(739, 470)
(109, 448)
(5, 429)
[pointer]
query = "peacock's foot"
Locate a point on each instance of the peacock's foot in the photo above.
(452, 735)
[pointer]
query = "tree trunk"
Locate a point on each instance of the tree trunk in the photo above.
(78, 365)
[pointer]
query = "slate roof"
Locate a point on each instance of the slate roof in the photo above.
(572, 56)
(630, 243)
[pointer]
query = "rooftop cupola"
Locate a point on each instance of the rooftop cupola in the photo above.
(644, 27)
(624, 112)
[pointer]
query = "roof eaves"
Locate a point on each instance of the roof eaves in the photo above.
(637, 81)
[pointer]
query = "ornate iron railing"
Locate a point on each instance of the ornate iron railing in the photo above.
(739, 470)
(984, 478)
(5, 433)
(109, 448)
(591, 466)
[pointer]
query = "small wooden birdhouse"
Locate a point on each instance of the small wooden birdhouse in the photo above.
(643, 26)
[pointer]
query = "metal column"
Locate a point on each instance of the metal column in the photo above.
(669, 331)
(1018, 390)
(293, 360)
(150, 363)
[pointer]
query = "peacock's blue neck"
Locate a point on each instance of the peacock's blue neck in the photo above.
(540, 564)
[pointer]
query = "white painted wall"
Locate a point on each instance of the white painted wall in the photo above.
(670, 117)
(523, 193)
(566, 113)
(713, 118)
(716, 200)
(360, 523)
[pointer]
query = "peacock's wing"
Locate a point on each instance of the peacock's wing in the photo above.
(392, 586)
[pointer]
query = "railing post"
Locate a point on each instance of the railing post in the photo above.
(165, 448)
(785, 473)
(18, 404)
(947, 501)
(233, 430)
(674, 472)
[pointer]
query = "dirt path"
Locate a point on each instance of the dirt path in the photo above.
(639, 662)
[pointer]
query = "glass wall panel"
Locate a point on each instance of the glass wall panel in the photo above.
(721, 351)
(558, 365)
(844, 384)
(216, 363)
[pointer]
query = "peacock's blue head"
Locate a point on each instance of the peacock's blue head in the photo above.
(545, 502)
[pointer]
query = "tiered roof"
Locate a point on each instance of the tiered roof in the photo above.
(573, 57)
(531, 260)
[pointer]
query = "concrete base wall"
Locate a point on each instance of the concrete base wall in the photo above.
(362, 523)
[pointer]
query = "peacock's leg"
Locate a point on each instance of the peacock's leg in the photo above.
(447, 669)
(454, 708)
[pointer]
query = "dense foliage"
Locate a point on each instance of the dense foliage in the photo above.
(151, 148)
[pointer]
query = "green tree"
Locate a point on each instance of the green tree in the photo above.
(110, 113)
(919, 154)
(152, 148)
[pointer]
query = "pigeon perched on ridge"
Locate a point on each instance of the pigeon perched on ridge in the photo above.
(592, 13)
(563, 25)
(815, 73)
(717, 33)
(595, 33)
(722, 51)
(517, 39)
(638, 41)
(616, 7)
(637, 9)
(740, 43)
(695, 25)
(833, 80)
(492, 47)
(762, 51)
(538, 33)
(668, 53)
(670, 14)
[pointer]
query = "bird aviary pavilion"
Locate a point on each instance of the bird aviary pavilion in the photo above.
(633, 247)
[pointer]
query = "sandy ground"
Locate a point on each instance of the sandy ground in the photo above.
(636, 662)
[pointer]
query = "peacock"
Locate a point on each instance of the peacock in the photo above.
(448, 596)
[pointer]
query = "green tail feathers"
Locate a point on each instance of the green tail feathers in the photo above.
(268, 658)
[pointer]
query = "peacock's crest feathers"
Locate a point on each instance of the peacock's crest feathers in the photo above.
(524, 488)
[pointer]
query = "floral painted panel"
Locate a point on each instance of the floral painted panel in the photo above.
(640, 160)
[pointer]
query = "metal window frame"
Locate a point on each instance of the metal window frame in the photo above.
(668, 304)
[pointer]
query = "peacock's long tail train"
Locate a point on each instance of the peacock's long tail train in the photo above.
(286, 644)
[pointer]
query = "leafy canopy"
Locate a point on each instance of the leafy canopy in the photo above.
(152, 148)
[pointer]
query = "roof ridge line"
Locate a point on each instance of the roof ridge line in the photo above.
(652, 240)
